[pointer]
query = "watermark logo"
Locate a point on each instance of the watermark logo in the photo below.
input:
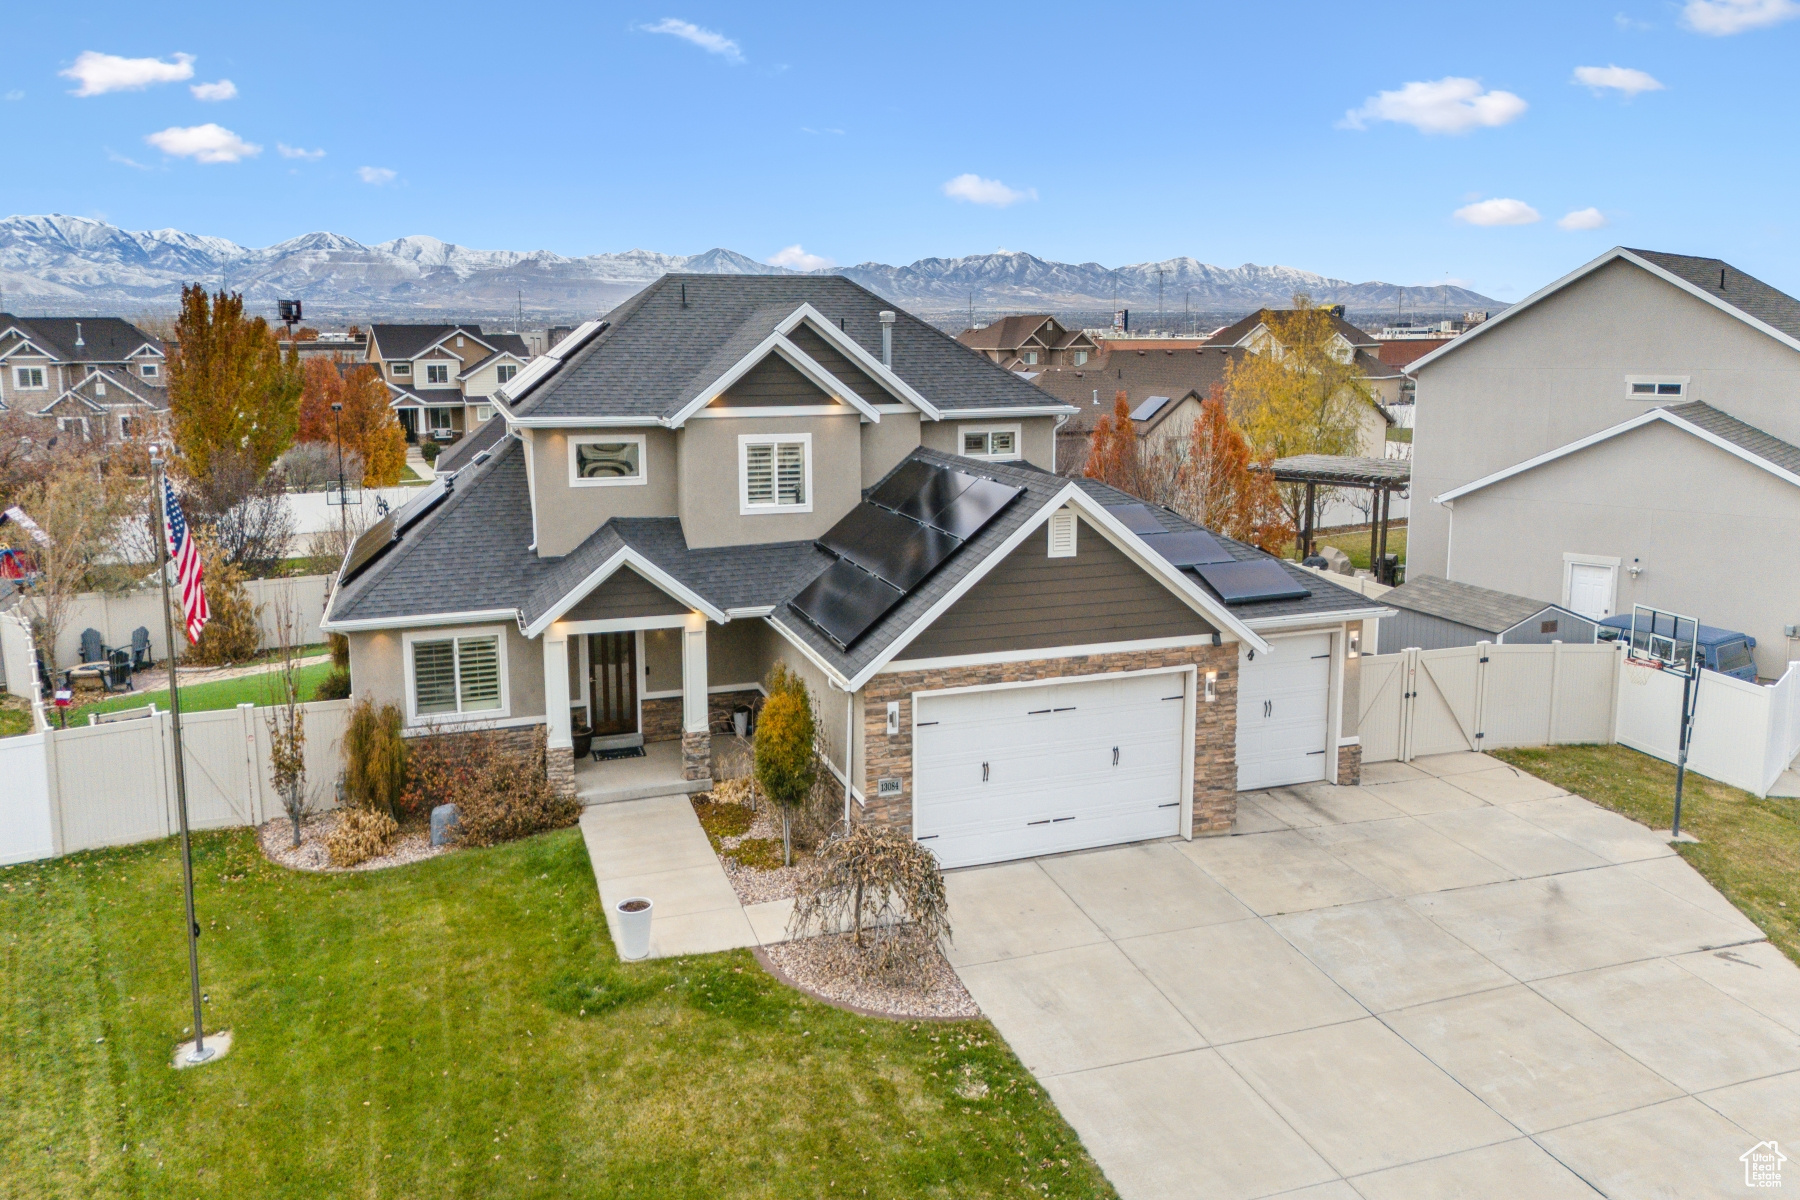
(1762, 1165)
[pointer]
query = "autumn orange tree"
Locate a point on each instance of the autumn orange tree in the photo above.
(368, 424)
(232, 392)
(1209, 474)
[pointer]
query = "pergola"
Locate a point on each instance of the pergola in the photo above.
(1382, 477)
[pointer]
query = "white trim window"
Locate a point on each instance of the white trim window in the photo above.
(993, 443)
(400, 368)
(149, 370)
(28, 379)
(774, 473)
(1081, 357)
(612, 460)
(73, 425)
(437, 374)
(483, 412)
(456, 675)
(1658, 388)
(504, 372)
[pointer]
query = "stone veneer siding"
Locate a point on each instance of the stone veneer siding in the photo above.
(662, 719)
(1215, 725)
(696, 756)
(1350, 765)
(559, 769)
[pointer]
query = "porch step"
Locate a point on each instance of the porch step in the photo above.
(592, 795)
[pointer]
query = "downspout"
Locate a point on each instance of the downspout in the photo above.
(1054, 431)
(849, 745)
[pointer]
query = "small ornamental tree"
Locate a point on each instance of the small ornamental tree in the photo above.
(287, 728)
(233, 634)
(786, 766)
(882, 881)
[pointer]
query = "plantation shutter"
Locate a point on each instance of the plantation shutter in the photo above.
(434, 677)
(792, 473)
(759, 474)
(478, 671)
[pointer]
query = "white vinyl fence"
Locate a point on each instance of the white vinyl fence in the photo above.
(1487, 696)
(115, 616)
(110, 784)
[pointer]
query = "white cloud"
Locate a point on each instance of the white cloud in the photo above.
(976, 190)
(708, 40)
(377, 175)
(1583, 218)
(222, 90)
(15, 94)
(101, 73)
(206, 143)
(1498, 212)
(114, 156)
(1629, 80)
(287, 151)
(793, 256)
(1448, 105)
(1722, 18)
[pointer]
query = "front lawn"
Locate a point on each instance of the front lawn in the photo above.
(462, 1027)
(1749, 849)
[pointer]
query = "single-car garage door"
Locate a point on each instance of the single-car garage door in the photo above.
(1015, 771)
(1284, 706)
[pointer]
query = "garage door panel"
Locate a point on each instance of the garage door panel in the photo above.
(1284, 707)
(1052, 781)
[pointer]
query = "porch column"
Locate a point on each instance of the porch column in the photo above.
(559, 745)
(696, 738)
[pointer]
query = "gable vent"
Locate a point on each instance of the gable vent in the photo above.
(1062, 534)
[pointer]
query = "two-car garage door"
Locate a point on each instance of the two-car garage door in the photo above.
(1012, 772)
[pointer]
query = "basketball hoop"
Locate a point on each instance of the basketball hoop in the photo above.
(1666, 641)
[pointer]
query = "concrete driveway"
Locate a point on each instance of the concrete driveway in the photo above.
(1454, 981)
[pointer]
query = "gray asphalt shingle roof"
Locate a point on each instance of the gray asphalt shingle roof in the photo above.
(1766, 446)
(461, 452)
(657, 352)
(1746, 293)
(104, 339)
(1477, 607)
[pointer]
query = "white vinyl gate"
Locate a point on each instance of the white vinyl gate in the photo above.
(1021, 770)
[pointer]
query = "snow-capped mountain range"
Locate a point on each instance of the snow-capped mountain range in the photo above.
(72, 265)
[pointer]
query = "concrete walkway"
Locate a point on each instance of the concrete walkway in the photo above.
(1455, 980)
(655, 848)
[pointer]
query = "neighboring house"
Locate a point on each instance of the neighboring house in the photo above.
(1029, 342)
(1628, 434)
(1164, 388)
(734, 471)
(1433, 613)
(1256, 333)
(99, 376)
(442, 377)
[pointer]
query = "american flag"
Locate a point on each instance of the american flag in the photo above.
(188, 569)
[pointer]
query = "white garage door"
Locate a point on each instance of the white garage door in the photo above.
(1284, 705)
(1013, 772)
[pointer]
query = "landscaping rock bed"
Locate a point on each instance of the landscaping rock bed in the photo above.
(276, 840)
(831, 968)
(749, 848)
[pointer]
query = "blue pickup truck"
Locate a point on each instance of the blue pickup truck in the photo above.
(1721, 650)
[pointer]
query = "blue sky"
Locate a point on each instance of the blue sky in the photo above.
(1311, 135)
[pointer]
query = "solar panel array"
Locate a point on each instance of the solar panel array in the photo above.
(1257, 579)
(379, 537)
(890, 543)
(1202, 554)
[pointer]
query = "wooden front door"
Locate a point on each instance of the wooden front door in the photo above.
(612, 683)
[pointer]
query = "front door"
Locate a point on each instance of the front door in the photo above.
(612, 684)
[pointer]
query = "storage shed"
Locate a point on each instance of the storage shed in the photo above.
(1433, 613)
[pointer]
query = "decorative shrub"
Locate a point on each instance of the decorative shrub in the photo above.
(444, 768)
(883, 885)
(360, 834)
(233, 634)
(374, 758)
(722, 819)
(759, 854)
(509, 798)
(335, 686)
(429, 451)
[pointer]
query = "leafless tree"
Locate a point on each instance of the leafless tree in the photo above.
(287, 722)
(246, 510)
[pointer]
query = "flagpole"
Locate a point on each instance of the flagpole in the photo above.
(200, 1053)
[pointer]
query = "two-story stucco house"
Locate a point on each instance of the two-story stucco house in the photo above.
(1629, 434)
(440, 377)
(733, 471)
(95, 377)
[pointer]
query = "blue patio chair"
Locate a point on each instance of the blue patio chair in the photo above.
(118, 670)
(93, 647)
(140, 649)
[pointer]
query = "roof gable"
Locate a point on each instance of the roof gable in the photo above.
(1710, 280)
(1701, 420)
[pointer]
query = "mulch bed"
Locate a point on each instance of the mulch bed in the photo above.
(276, 841)
(832, 969)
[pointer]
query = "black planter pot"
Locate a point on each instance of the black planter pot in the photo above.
(584, 742)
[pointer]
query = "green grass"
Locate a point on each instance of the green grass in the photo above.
(258, 689)
(1749, 849)
(1356, 545)
(462, 1027)
(15, 715)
